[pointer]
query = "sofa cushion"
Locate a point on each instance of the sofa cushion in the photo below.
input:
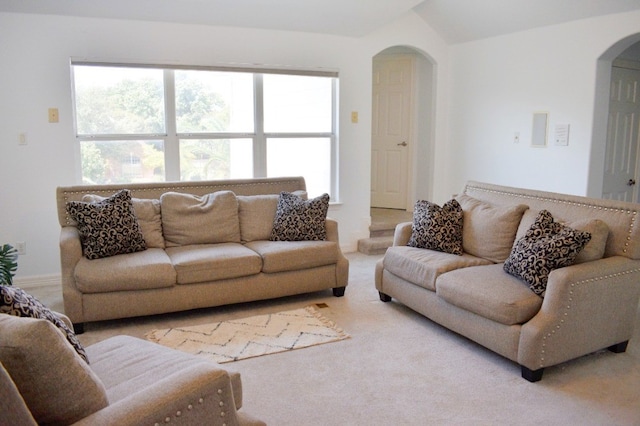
(297, 219)
(279, 256)
(56, 383)
(210, 262)
(144, 270)
(546, 246)
(489, 292)
(108, 227)
(488, 230)
(437, 228)
(192, 219)
(598, 229)
(257, 213)
(17, 302)
(148, 213)
(422, 267)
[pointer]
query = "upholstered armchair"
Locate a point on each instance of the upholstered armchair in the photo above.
(126, 381)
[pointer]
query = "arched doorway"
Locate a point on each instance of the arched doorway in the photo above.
(402, 127)
(603, 145)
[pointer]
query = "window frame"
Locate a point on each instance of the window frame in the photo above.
(171, 139)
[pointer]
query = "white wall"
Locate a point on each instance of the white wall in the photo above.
(34, 76)
(497, 84)
(485, 91)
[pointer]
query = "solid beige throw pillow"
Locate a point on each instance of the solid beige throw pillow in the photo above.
(192, 219)
(488, 230)
(56, 383)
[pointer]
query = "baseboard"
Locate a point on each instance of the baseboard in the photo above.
(36, 281)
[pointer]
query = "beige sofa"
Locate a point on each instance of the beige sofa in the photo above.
(127, 382)
(207, 244)
(587, 306)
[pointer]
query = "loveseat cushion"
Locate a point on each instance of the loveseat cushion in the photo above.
(437, 228)
(422, 267)
(143, 270)
(546, 246)
(280, 256)
(489, 230)
(490, 292)
(209, 262)
(598, 229)
(192, 219)
(56, 383)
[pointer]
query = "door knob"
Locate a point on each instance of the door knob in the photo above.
(402, 144)
(631, 182)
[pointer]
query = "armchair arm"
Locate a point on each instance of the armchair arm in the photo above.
(198, 395)
(402, 234)
(342, 269)
(332, 230)
(587, 307)
(70, 255)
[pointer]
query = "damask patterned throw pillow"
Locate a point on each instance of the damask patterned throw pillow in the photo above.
(17, 302)
(547, 245)
(108, 227)
(437, 228)
(297, 219)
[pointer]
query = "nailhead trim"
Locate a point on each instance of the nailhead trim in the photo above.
(189, 408)
(633, 213)
(179, 187)
(565, 314)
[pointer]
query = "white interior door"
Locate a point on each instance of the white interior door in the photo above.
(391, 130)
(623, 136)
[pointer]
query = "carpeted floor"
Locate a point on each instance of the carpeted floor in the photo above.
(399, 368)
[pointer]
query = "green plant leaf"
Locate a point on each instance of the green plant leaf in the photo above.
(8, 264)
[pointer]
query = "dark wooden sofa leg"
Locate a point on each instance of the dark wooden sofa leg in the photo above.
(384, 297)
(618, 348)
(339, 291)
(532, 375)
(78, 327)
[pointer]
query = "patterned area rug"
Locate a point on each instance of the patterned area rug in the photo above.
(233, 340)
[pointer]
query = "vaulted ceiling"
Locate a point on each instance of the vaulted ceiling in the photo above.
(455, 20)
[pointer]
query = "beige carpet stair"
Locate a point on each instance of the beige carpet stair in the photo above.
(383, 224)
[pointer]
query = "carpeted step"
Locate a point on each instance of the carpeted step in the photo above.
(375, 245)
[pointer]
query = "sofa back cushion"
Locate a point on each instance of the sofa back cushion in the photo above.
(149, 219)
(489, 230)
(621, 217)
(55, 382)
(594, 249)
(256, 213)
(192, 219)
(108, 227)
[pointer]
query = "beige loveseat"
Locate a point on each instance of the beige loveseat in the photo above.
(587, 306)
(207, 244)
(128, 381)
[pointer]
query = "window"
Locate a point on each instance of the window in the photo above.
(148, 123)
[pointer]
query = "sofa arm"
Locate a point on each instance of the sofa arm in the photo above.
(402, 234)
(199, 395)
(587, 307)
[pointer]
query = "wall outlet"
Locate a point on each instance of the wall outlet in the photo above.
(21, 247)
